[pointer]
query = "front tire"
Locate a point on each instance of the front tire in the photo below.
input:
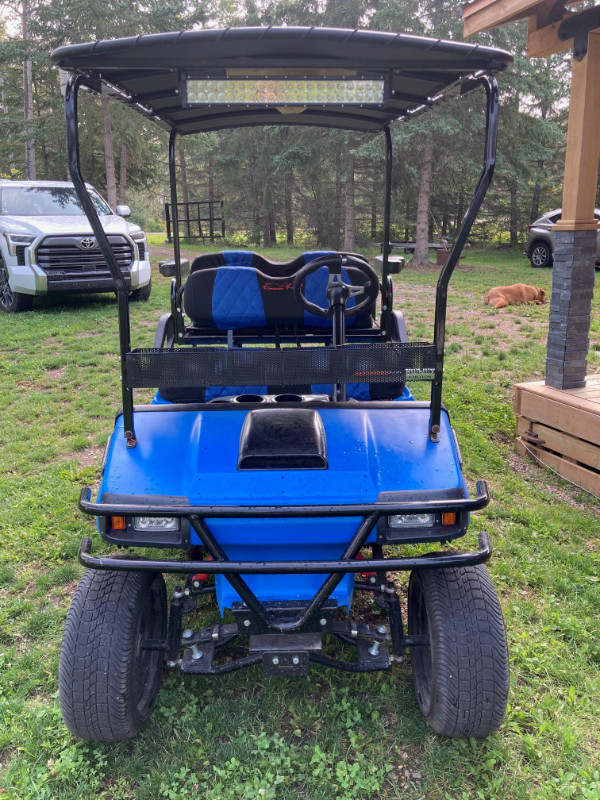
(461, 674)
(540, 254)
(141, 295)
(12, 302)
(107, 680)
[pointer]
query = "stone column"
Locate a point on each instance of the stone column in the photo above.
(570, 308)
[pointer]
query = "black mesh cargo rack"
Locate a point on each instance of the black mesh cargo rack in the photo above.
(264, 366)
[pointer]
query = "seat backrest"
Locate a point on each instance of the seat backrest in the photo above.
(233, 290)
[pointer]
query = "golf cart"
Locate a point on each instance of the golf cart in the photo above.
(283, 456)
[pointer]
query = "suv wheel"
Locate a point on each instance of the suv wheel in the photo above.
(540, 254)
(12, 301)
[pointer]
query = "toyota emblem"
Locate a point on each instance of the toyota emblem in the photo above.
(87, 243)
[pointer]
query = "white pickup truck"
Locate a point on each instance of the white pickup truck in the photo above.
(47, 244)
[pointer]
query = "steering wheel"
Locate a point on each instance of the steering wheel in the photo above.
(334, 263)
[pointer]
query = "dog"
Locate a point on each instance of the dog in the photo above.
(517, 294)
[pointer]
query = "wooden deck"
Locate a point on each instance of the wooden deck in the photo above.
(561, 429)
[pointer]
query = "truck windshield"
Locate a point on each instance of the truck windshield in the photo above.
(37, 201)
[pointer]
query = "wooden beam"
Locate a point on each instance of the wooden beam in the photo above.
(542, 40)
(583, 142)
(481, 15)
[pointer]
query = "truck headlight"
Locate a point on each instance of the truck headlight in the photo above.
(140, 239)
(411, 521)
(156, 524)
(13, 241)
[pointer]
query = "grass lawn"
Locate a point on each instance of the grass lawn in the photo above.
(329, 736)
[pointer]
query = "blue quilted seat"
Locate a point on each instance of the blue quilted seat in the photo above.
(239, 289)
(242, 290)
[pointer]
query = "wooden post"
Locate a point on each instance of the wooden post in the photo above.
(575, 246)
(583, 142)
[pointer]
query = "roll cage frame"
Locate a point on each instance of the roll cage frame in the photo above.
(488, 82)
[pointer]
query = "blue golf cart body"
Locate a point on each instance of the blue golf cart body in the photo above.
(283, 439)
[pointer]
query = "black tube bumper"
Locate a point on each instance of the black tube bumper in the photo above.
(429, 561)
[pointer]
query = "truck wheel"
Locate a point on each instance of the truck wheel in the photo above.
(107, 680)
(142, 294)
(461, 674)
(540, 255)
(12, 301)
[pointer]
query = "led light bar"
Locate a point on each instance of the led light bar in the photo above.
(287, 92)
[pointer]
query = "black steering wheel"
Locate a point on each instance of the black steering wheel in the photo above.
(334, 263)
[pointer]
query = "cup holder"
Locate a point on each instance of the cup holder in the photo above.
(288, 398)
(249, 398)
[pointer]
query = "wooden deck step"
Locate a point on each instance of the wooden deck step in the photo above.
(561, 429)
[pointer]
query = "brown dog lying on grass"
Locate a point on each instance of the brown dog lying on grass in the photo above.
(517, 294)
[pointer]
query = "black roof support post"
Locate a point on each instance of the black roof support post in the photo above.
(491, 131)
(122, 290)
(386, 311)
(175, 299)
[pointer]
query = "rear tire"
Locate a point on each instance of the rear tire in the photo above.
(461, 676)
(142, 294)
(107, 681)
(540, 254)
(12, 302)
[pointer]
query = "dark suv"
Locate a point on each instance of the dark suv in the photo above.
(540, 241)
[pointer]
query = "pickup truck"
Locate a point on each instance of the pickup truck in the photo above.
(47, 245)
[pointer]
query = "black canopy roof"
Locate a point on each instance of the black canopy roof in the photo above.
(148, 71)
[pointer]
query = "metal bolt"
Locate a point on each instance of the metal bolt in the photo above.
(381, 629)
(172, 664)
(179, 311)
(180, 335)
(275, 660)
(196, 584)
(186, 592)
(246, 623)
(372, 579)
(374, 649)
(295, 661)
(197, 654)
(323, 621)
(187, 634)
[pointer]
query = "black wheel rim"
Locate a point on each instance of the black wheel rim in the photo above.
(6, 295)
(148, 663)
(421, 656)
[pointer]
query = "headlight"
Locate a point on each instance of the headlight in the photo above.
(13, 240)
(155, 523)
(411, 521)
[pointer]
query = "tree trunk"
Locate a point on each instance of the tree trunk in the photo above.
(421, 256)
(535, 200)
(28, 103)
(514, 216)
(337, 209)
(289, 211)
(349, 217)
(123, 173)
(109, 156)
(185, 196)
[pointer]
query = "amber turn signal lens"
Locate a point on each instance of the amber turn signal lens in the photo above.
(117, 523)
(449, 518)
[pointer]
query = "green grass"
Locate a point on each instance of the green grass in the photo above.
(330, 735)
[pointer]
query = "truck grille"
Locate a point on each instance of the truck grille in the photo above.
(64, 256)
